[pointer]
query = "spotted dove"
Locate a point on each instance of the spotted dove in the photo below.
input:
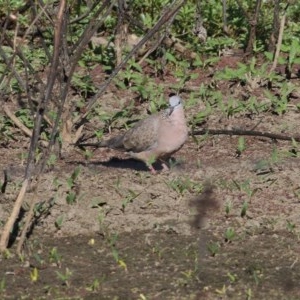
(154, 138)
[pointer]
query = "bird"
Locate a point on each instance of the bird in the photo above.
(156, 137)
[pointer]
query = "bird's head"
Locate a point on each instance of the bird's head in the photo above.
(174, 102)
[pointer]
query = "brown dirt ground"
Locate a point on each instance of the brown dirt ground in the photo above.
(139, 236)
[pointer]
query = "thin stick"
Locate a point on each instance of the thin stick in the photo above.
(279, 42)
(269, 135)
(12, 218)
(17, 122)
(57, 42)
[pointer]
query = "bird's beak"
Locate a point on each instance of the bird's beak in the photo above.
(171, 110)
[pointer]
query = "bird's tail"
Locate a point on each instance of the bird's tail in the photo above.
(114, 143)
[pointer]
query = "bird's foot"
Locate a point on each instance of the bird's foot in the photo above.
(165, 168)
(152, 170)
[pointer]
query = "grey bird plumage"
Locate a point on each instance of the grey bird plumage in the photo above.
(156, 137)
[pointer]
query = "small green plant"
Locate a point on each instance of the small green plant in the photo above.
(142, 297)
(228, 207)
(55, 257)
(222, 291)
(241, 147)
(244, 209)
(95, 286)
(274, 155)
(6, 254)
(129, 199)
(5, 129)
(51, 160)
(249, 294)
(71, 181)
(297, 192)
(184, 184)
(229, 235)
(245, 187)
(293, 50)
(26, 117)
(71, 197)
(37, 257)
(115, 253)
(290, 226)
(34, 275)
(188, 275)
(59, 221)
(2, 285)
(213, 248)
(65, 277)
(232, 277)
(83, 84)
(158, 251)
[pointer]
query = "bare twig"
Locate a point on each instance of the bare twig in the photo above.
(16, 121)
(279, 42)
(44, 98)
(12, 218)
(41, 110)
(269, 135)
(159, 37)
(275, 27)
(164, 18)
(253, 24)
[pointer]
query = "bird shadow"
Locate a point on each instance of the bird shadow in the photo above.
(127, 163)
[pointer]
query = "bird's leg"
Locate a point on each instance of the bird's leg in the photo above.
(164, 166)
(152, 170)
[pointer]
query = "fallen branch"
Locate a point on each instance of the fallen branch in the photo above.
(17, 122)
(12, 218)
(269, 135)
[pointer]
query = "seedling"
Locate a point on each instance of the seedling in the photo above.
(59, 221)
(129, 198)
(244, 209)
(65, 277)
(34, 275)
(6, 254)
(71, 197)
(115, 252)
(241, 147)
(38, 258)
(213, 248)
(26, 117)
(228, 207)
(245, 186)
(188, 274)
(232, 277)
(94, 287)
(183, 184)
(290, 226)
(98, 134)
(88, 154)
(2, 285)
(71, 181)
(249, 294)
(274, 155)
(229, 235)
(222, 291)
(158, 250)
(55, 257)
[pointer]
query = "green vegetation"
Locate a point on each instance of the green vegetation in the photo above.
(73, 71)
